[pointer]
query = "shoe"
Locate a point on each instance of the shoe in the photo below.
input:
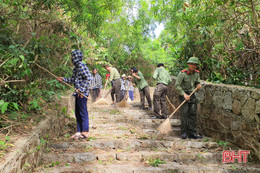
(153, 117)
(195, 136)
(184, 136)
(142, 108)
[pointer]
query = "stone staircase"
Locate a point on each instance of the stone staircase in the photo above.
(126, 140)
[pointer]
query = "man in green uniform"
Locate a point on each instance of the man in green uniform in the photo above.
(187, 81)
(142, 85)
(115, 80)
(163, 79)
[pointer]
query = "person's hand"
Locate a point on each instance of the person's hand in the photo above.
(199, 86)
(60, 79)
(79, 95)
(187, 97)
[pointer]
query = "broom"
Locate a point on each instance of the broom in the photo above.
(166, 127)
(102, 100)
(124, 103)
(57, 77)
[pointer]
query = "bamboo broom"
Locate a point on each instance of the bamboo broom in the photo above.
(57, 77)
(165, 127)
(123, 102)
(102, 100)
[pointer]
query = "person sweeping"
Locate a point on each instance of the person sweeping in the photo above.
(187, 81)
(163, 79)
(115, 80)
(81, 79)
(143, 87)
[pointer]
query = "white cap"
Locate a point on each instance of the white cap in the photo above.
(123, 75)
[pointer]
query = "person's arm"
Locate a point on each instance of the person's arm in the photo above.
(178, 84)
(69, 80)
(112, 74)
(86, 75)
(198, 85)
(169, 76)
(155, 74)
(136, 76)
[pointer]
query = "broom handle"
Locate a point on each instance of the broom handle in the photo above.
(57, 77)
(170, 102)
(182, 103)
(104, 88)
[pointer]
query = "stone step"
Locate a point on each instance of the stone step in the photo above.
(142, 123)
(106, 156)
(130, 133)
(136, 145)
(137, 167)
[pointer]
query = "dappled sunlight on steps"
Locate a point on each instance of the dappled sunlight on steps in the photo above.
(126, 140)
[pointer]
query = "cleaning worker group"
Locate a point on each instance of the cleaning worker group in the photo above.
(122, 86)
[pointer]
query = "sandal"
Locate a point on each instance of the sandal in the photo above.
(75, 135)
(82, 136)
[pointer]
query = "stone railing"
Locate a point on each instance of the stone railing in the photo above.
(228, 112)
(27, 151)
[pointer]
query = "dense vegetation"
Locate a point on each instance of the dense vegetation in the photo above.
(224, 34)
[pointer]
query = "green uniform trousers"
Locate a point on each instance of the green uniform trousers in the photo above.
(188, 115)
(159, 100)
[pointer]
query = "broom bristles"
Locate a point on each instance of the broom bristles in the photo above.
(101, 101)
(123, 103)
(165, 127)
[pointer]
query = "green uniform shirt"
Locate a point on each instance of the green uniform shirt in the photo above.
(161, 75)
(187, 82)
(141, 83)
(113, 75)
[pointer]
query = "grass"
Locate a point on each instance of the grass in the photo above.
(155, 162)
(114, 112)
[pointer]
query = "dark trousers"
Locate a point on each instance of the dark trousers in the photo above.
(188, 115)
(159, 99)
(81, 112)
(145, 92)
(122, 94)
(94, 94)
(116, 90)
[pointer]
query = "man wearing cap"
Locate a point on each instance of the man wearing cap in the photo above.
(142, 85)
(187, 81)
(124, 87)
(163, 79)
(115, 80)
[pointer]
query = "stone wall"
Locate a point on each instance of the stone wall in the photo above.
(228, 112)
(27, 151)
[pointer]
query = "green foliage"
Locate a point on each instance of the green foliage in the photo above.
(155, 162)
(223, 34)
(222, 143)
